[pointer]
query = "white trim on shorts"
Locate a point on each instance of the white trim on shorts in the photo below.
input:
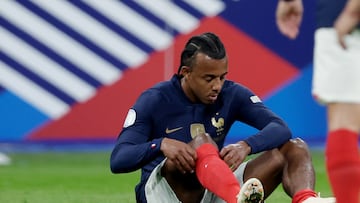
(157, 189)
(336, 75)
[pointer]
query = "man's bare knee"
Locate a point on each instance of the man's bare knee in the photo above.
(295, 146)
(201, 139)
(299, 143)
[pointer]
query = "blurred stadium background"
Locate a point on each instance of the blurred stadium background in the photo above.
(70, 70)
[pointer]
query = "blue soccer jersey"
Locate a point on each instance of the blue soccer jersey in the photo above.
(165, 111)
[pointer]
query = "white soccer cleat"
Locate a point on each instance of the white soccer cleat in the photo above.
(251, 192)
(320, 200)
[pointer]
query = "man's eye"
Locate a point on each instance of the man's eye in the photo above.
(208, 79)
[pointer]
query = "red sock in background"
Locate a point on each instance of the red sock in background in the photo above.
(303, 195)
(343, 165)
(215, 175)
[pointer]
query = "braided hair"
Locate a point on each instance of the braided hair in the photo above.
(207, 43)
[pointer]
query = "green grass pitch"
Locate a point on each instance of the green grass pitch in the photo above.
(74, 177)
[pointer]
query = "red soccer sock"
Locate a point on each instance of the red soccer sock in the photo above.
(343, 165)
(302, 195)
(215, 175)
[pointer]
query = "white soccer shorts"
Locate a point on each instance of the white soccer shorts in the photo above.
(336, 71)
(157, 189)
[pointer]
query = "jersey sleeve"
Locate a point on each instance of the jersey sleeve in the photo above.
(135, 145)
(273, 131)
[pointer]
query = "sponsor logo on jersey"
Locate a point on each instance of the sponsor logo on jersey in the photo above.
(168, 131)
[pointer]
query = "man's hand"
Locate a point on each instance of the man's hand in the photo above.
(179, 153)
(289, 16)
(235, 154)
(348, 20)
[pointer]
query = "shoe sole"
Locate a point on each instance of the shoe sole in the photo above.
(251, 192)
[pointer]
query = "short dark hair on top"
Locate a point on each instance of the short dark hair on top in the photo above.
(207, 43)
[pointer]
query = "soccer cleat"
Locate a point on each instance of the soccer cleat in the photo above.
(319, 199)
(251, 192)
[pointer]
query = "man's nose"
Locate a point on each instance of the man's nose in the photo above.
(217, 84)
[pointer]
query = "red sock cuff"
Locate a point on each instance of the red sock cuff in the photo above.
(342, 148)
(343, 164)
(302, 195)
(206, 150)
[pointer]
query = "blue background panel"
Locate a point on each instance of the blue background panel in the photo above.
(14, 119)
(295, 104)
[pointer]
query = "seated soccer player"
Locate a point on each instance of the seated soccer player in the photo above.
(175, 134)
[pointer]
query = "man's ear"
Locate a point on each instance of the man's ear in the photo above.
(184, 70)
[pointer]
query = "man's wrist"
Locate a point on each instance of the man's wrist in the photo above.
(247, 146)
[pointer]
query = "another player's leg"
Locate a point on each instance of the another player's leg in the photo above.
(343, 165)
(342, 152)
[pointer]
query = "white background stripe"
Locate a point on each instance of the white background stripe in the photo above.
(173, 15)
(133, 22)
(207, 7)
(44, 67)
(57, 40)
(31, 92)
(95, 31)
(139, 26)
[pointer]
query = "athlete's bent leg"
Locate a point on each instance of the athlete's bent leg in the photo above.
(290, 165)
(186, 186)
(268, 168)
(213, 173)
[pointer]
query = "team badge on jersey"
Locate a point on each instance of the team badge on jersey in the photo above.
(130, 118)
(196, 129)
(219, 124)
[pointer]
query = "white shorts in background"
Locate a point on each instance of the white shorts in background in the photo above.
(157, 189)
(336, 71)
